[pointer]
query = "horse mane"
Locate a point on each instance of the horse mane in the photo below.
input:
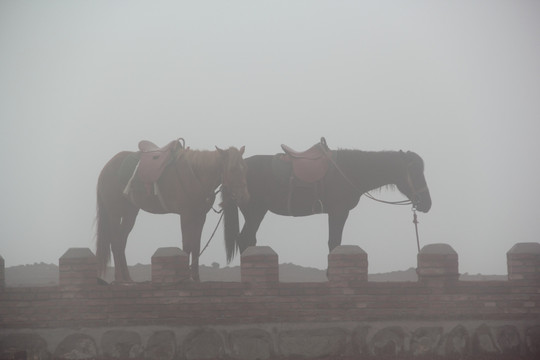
(201, 160)
(362, 158)
(385, 187)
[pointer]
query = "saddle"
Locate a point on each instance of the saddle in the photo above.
(153, 159)
(306, 170)
(310, 165)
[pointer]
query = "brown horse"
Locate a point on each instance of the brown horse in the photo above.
(350, 174)
(187, 187)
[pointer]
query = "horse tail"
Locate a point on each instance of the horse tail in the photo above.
(231, 228)
(103, 234)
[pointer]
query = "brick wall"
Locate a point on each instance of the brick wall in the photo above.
(347, 302)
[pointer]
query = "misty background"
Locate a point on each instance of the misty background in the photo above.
(456, 82)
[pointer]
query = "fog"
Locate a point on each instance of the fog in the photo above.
(458, 83)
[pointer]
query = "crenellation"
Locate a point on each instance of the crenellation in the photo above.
(437, 266)
(523, 261)
(347, 263)
(259, 266)
(77, 267)
(170, 265)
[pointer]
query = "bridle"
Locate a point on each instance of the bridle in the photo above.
(415, 193)
(224, 185)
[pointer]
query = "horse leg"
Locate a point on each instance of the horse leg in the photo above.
(252, 220)
(118, 246)
(192, 225)
(336, 222)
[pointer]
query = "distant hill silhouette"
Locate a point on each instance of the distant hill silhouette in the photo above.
(47, 274)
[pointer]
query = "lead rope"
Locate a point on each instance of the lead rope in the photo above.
(415, 222)
(213, 233)
(217, 225)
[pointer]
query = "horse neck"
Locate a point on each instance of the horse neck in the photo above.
(370, 170)
(206, 166)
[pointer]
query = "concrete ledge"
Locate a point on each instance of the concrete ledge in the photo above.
(77, 254)
(258, 250)
(439, 249)
(529, 248)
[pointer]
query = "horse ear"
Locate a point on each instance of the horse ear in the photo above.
(221, 151)
(242, 150)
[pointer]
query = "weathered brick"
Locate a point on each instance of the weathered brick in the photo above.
(523, 261)
(170, 265)
(437, 265)
(78, 266)
(259, 266)
(347, 262)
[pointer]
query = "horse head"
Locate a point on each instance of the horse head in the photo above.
(234, 174)
(413, 183)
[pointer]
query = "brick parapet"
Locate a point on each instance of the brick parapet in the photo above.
(79, 301)
(236, 303)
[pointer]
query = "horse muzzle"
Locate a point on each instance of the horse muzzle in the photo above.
(422, 200)
(423, 204)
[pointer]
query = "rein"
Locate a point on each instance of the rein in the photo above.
(217, 225)
(213, 233)
(367, 194)
(399, 202)
(219, 221)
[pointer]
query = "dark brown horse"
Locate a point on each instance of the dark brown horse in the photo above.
(350, 174)
(186, 186)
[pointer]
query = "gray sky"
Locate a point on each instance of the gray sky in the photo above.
(456, 82)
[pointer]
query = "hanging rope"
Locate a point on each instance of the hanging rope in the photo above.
(415, 222)
(213, 233)
(220, 211)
